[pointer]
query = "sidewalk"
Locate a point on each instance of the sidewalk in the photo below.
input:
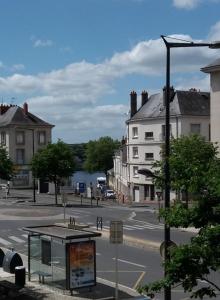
(34, 290)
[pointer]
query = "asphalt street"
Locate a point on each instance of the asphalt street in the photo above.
(136, 265)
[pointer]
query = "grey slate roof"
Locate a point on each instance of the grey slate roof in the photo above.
(15, 116)
(185, 103)
(214, 66)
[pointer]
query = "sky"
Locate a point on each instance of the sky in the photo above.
(75, 62)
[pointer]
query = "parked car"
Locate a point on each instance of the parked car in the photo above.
(110, 194)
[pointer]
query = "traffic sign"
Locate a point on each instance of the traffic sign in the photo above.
(116, 232)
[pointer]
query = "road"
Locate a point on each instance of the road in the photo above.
(136, 265)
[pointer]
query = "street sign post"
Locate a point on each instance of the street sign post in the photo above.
(116, 237)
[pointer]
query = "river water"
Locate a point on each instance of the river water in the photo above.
(81, 176)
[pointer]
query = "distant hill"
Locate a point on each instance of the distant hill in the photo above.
(79, 153)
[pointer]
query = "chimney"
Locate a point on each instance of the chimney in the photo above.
(144, 97)
(133, 98)
(172, 94)
(25, 108)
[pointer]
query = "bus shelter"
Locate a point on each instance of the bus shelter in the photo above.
(63, 257)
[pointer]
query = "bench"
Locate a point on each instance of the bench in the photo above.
(42, 275)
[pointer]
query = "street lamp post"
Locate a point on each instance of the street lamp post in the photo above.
(169, 45)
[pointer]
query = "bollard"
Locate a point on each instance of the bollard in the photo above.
(20, 276)
(98, 222)
(81, 197)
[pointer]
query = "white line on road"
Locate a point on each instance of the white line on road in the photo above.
(25, 235)
(4, 242)
(129, 262)
(16, 239)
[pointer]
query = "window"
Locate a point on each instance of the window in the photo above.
(41, 137)
(163, 134)
(20, 137)
(195, 128)
(134, 132)
(135, 152)
(3, 138)
(149, 135)
(135, 171)
(149, 156)
(149, 191)
(20, 156)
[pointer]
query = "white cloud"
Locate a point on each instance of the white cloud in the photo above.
(214, 34)
(37, 43)
(43, 43)
(186, 4)
(202, 84)
(70, 97)
(191, 4)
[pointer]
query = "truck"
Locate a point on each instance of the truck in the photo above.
(101, 182)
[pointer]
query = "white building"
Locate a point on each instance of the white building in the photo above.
(22, 134)
(214, 70)
(189, 113)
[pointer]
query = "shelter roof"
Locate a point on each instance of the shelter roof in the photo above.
(61, 232)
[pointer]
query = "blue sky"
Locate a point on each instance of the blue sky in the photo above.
(75, 61)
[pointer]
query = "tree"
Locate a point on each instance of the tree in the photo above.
(190, 159)
(99, 154)
(54, 163)
(195, 261)
(6, 165)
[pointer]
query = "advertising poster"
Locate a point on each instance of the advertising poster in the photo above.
(82, 264)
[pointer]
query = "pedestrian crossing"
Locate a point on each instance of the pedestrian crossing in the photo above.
(20, 239)
(132, 227)
(14, 240)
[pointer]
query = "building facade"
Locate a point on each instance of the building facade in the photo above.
(189, 113)
(22, 134)
(214, 70)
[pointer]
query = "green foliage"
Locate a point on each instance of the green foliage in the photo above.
(194, 167)
(99, 154)
(191, 159)
(6, 165)
(79, 151)
(54, 162)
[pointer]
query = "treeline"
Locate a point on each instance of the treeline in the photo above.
(79, 151)
(96, 155)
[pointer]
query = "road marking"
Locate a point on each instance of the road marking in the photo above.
(16, 239)
(139, 280)
(129, 262)
(135, 227)
(98, 253)
(4, 242)
(25, 235)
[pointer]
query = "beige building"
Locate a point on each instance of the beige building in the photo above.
(22, 134)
